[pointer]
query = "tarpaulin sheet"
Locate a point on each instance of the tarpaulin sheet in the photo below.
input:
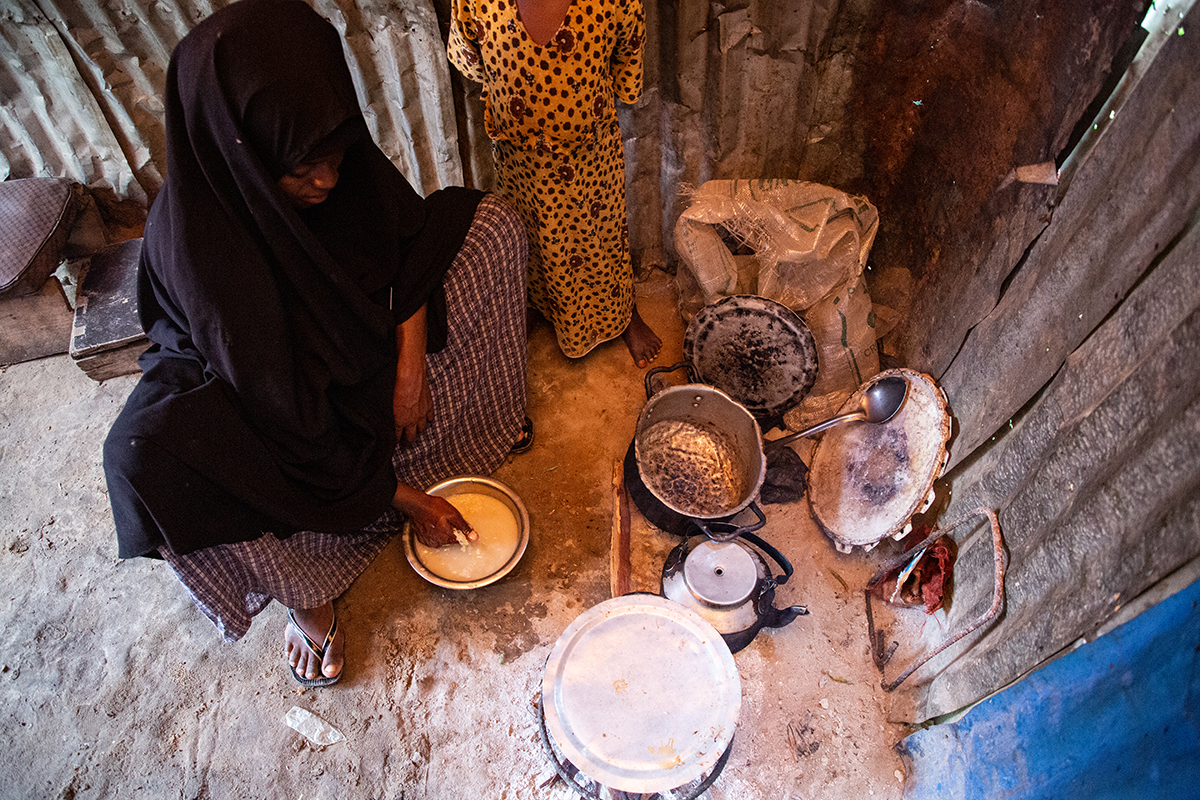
(1116, 718)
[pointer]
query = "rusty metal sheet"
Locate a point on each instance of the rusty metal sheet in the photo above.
(958, 96)
(1128, 199)
(1098, 487)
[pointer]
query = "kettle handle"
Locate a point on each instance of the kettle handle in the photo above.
(692, 376)
(779, 558)
(734, 530)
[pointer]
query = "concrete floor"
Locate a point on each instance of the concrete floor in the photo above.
(113, 685)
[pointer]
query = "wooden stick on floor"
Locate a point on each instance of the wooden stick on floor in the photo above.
(618, 554)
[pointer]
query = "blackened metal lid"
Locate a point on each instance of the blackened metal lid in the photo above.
(758, 351)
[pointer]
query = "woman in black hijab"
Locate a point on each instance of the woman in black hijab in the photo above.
(325, 341)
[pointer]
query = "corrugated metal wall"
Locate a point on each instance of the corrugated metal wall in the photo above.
(55, 120)
(82, 86)
(83, 83)
(1095, 350)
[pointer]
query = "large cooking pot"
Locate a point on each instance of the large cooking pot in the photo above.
(699, 452)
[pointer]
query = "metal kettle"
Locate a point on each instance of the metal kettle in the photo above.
(730, 585)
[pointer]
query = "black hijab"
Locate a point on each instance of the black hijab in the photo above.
(266, 399)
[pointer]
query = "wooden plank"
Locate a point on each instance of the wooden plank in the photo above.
(1098, 486)
(618, 554)
(35, 325)
(1134, 192)
(115, 362)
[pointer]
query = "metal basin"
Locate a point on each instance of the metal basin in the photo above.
(473, 484)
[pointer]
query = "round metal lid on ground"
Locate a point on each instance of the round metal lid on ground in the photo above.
(641, 694)
(758, 351)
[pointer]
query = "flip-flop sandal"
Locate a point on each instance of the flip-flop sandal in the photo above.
(317, 649)
(525, 442)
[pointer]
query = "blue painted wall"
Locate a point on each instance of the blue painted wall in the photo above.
(1116, 718)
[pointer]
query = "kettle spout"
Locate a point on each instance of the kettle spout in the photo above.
(778, 617)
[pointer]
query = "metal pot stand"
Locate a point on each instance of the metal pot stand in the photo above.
(586, 787)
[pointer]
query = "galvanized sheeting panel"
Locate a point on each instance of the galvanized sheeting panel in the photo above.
(1098, 487)
(951, 99)
(120, 50)
(1097, 481)
(1130, 195)
(400, 69)
(51, 121)
(83, 86)
(754, 92)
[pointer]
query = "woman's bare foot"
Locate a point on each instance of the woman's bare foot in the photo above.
(643, 343)
(315, 622)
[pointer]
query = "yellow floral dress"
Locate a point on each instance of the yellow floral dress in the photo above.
(550, 113)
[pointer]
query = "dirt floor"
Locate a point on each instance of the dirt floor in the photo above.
(112, 684)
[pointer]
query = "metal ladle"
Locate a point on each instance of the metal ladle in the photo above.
(879, 403)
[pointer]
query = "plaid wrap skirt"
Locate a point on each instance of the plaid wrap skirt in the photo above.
(478, 387)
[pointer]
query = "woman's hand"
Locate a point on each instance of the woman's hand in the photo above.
(412, 402)
(434, 519)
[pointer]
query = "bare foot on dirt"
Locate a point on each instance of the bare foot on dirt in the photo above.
(315, 622)
(643, 343)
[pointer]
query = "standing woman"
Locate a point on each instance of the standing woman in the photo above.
(326, 342)
(551, 72)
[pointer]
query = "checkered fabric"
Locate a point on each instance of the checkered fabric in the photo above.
(478, 387)
(35, 220)
(478, 379)
(231, 583)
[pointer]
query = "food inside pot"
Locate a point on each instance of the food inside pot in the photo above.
(692, 468)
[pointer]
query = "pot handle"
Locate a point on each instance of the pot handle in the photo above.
(779, 558)
(734, 530)
(659, 370)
